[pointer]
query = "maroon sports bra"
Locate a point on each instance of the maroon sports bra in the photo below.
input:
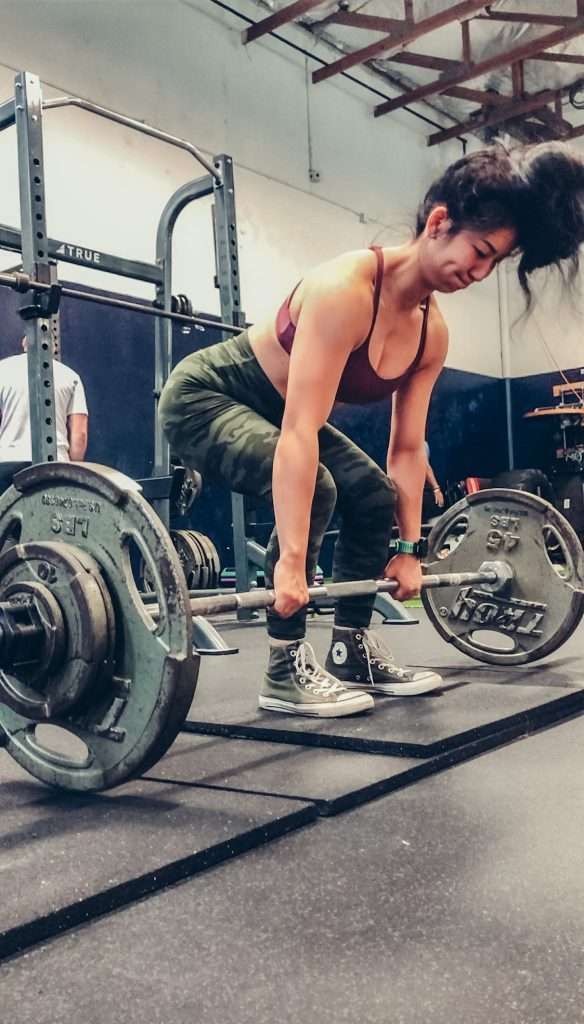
(359, 382)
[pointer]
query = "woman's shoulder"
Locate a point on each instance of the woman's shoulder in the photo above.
(354, 265)
(338, 293)
(351, 274)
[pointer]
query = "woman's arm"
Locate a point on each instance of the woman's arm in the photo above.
(334, 317)
(406, 456)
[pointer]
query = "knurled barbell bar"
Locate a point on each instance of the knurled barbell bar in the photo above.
(114, 675)
(22, 282)
(494, 576)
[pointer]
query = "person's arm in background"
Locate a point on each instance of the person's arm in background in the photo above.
(433, 483)
(77, 423)
(77, 434)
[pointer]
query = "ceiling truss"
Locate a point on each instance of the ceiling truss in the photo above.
(482, 90)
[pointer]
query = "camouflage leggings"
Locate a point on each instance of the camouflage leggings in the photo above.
(222, 415)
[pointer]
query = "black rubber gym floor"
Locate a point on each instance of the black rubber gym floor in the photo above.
(436, 896)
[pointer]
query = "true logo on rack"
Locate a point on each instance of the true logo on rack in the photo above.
(77, 253)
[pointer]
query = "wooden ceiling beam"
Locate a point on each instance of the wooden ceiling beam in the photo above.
(466, 74)
(424, 60)
(483, 97)
(492, 117)
(517, 78)
(368, 21)
(397, 41)
(534, 19)
(466, 45)
(553, 120)
(281, 17)
(565, 58)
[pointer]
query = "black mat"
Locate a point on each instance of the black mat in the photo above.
(67, 858)
(458, 899)
(477, 700)
(334, 780)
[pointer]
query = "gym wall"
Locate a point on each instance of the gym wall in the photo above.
(549, 337)
(541, 343)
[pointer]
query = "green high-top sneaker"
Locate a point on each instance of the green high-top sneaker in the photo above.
(296, 684)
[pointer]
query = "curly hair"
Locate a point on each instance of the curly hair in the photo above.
(537, 190)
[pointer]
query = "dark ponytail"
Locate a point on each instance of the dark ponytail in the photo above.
(537, 190)
(550, 224)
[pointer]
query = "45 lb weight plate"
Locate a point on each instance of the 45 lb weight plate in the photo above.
(539, 607)
(136, 677)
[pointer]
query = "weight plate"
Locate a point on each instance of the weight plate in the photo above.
(542, 605)
(139, 699)
(191, 558)
(212, 557)
(63, 583)
(193, 538)
(215, 561)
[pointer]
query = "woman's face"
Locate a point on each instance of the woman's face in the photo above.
(454, 261)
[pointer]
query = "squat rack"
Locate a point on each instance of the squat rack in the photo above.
(39, 275)
(38, 281)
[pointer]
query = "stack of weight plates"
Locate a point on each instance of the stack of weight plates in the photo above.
(199, 559)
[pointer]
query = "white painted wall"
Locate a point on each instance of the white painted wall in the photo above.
(180, 65)
(551, 336)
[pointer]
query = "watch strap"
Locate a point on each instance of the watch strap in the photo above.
(406, 547)
(418, 548)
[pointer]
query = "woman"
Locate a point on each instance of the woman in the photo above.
(253, 411)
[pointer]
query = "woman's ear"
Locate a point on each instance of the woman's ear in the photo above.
(438, 222)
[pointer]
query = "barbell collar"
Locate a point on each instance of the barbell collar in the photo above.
(504, 575)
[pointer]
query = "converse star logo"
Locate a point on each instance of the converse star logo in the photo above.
(339, 653)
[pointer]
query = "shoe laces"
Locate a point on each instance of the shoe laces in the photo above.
(315, 678)
(380, 656)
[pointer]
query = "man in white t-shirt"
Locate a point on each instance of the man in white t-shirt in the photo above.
(70, 410)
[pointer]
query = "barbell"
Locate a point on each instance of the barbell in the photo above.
(181, 310)
(96, 678)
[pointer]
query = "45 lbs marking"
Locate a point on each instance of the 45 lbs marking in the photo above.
(71, 526)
